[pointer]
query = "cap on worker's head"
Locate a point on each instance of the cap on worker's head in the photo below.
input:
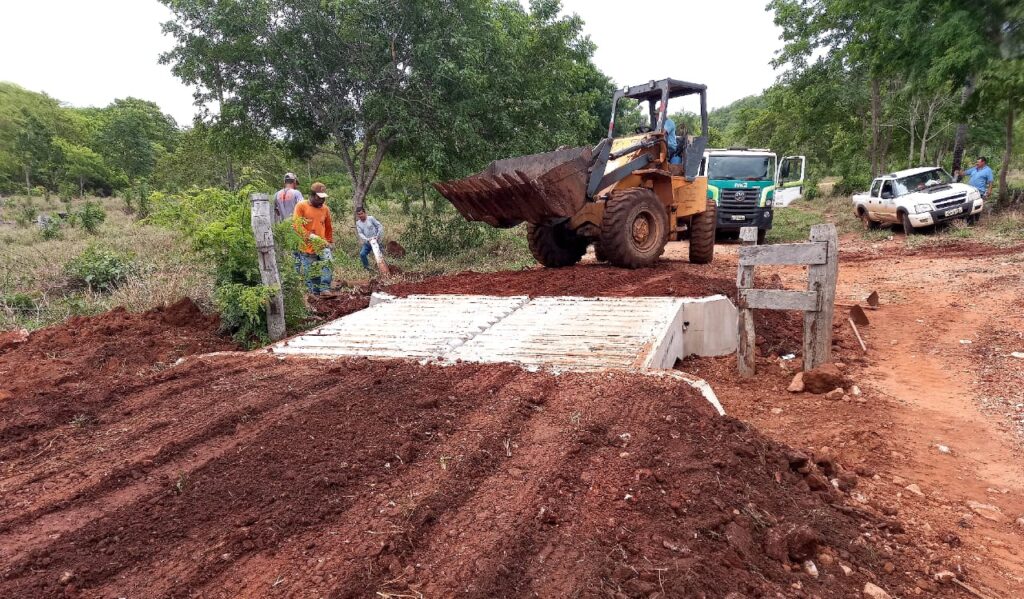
(983, 159)
(290, 178)
(319, 190)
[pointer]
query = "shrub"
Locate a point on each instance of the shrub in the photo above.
(26, 212)
(99, 268)
(51, 229)
(851, 184)
(91, 216)
(445, 234)
(218, 224)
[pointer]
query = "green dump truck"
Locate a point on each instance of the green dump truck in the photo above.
(747, 184)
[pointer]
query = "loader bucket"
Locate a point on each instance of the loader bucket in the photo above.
(531, 188)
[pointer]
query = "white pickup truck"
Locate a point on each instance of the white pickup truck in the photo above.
(917, 197)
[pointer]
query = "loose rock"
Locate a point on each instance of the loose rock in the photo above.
(797, 384)
(872, 591)
(824, 378)
(835, 394)
(914, 489)
(987, 511)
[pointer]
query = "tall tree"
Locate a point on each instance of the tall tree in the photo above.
(448, 83)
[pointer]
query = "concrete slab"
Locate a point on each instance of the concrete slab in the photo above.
(418, 326)
(579, 333)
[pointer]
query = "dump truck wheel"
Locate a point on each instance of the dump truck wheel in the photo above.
(702, 234)
(634, 229)
(555, 245)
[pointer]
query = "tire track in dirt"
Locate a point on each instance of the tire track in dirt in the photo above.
(145, 474)
(224, 485)
(380, 525)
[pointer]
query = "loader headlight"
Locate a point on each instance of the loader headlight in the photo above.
(922, 208)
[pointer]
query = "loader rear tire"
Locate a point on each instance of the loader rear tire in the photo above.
(598, 254)
(702, 234)
(555, 246)
(635, 228)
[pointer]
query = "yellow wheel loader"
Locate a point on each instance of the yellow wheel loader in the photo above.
(628, 196)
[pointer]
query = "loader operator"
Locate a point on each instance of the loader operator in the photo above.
(369, 231)
(287, 198)
(670, 138)
(312, 221)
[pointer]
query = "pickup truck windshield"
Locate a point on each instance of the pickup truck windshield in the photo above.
(742, 168)
(921, 181)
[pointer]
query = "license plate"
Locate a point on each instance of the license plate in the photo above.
(738, 217)
(952, 211)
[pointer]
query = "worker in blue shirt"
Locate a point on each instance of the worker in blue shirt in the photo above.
(670, 137)
(980, 177)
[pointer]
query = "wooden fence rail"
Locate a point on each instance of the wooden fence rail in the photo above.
(821, 255)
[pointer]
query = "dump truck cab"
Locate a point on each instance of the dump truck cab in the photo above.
(627, 196)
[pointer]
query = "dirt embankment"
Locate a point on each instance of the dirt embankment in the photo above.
(76, 370)
(244, 475)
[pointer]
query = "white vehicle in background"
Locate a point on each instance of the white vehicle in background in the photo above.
(915, 198)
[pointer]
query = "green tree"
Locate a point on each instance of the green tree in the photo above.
(131, 136)
(449, 84)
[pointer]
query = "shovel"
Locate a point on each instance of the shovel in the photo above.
(379, 255)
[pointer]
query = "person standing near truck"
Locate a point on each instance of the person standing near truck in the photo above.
(980, 177)
(369, 230)
(312, 221)
(287, 198)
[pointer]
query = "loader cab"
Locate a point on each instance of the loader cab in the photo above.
(690, 146)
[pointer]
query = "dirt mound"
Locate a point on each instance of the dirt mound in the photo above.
(778, 332)
(329, 306)
(243, 475)
(70, 370)
(666, 278)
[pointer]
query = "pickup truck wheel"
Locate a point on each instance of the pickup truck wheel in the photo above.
(868, 223)
(761, 235)
(973, 220)
(702, 234)
(555, 246)
(908, 228)
(635, 228)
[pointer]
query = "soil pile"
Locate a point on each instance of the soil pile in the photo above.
(778, 332)
(246, 475)
(71, 370)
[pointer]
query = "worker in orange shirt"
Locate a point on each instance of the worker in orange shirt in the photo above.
(312, 221)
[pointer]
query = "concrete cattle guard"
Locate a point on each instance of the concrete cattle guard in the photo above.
(552, 333)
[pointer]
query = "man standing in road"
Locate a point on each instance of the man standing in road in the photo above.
(286, 199)
(312, 221)
(981, 177)
(369, 230)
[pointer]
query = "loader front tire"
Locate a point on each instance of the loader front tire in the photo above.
(635, 228)
(702, 234)
(556, 245)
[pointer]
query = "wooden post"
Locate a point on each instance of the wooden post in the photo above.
(262, 228)
(821, 278)
(745, 280)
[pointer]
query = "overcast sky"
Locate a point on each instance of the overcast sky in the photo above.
(89, 52)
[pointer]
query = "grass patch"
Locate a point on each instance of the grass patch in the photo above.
(39, 273)
(437, 242)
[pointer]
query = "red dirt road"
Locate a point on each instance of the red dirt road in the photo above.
(244, 475)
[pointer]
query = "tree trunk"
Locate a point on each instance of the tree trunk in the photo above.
(231, 175)
(1004, 192)
(81, 187)
(876, 108)
(28, 183)
(960, 139)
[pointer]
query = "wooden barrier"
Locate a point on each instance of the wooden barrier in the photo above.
(821, 255)
(262, 228)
